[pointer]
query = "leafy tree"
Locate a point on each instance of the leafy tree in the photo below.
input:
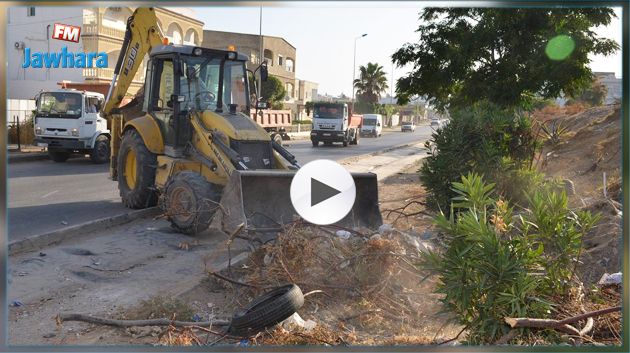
(502, 55)
(273, 91)
(309, 107)
(371, 82)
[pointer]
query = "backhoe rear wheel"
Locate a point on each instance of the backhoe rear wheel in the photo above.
(136, 172)
(190, 202)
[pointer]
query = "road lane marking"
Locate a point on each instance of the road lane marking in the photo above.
(50, 193)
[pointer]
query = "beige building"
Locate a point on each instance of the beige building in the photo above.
(279, 54)
(104, 30)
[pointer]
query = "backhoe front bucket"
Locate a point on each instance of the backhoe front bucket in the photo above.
(261, 201)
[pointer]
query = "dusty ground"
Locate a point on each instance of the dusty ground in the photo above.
(590, 148)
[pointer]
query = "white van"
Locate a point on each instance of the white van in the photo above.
(372, 125)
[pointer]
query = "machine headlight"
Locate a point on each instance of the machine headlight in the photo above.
(75, 132)
(197, 51)
(38, 130)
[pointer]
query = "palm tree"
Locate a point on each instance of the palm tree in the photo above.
(371, 82)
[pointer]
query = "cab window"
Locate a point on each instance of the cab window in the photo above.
(163, 85)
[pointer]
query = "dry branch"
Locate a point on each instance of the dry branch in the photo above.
(129, 323)
(561, 325)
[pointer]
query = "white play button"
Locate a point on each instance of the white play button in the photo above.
(322, 192)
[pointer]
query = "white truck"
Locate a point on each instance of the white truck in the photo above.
(68, 121)
(372, 125)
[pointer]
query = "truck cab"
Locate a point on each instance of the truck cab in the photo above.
(334, 122)
(372, 125)
(69, 121)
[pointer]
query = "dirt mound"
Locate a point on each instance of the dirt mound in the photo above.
(590, 149)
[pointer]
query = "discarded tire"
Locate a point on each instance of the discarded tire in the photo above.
(267, 310)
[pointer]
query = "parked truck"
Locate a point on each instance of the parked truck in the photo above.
(335, 122)
(68, 121)
(274, 122)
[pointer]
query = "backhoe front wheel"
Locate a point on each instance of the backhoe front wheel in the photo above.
(136, 172)
(190, 202)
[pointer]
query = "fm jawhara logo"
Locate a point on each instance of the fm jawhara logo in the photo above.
(64, 58)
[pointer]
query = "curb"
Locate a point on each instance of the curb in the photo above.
(27, 157)
(39, 241)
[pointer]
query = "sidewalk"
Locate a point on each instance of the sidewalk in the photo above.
(387, 163)
(26, 153)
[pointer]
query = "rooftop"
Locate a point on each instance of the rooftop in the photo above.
(249, 34)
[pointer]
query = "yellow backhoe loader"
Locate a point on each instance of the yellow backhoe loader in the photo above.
(188, 142)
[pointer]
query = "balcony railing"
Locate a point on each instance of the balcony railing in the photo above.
(108, 73)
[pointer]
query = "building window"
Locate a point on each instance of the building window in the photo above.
(268, 56)
(289, 88)
(280, 60)
(253, 56)
(289, 64)
(30, 11)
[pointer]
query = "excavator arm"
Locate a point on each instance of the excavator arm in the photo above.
(142, 34)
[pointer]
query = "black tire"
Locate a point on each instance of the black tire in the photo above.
(100, 152)
(315, 143)
(59, 156)
(355, 141)
(143, 194)
(190, 202)
(345, 143)
(267, 310)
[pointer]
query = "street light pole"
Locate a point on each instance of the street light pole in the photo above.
(354, 66)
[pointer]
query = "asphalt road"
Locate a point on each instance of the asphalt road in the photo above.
(45, 196)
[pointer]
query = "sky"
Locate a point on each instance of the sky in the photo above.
(324, 34)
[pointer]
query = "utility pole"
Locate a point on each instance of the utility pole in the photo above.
(354, 66)
(260, 52)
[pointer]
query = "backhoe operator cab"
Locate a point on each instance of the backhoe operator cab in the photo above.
(69, 122)
(184, 80)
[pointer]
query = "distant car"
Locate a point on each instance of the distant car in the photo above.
(438, 123)
(408, 126)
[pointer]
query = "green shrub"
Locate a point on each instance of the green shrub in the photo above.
(485, 139)
(495, 265)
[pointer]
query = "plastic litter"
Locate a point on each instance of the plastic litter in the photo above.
(343, 234)
(196, 318)
(385, 228)
(16, 303)
(608, 279)
(297, 320)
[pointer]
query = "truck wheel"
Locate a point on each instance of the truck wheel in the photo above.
(100, 152)
(345, 143)
(355, 141)
(315, 143)
(136, 172)
(190, 202)
(59, 156)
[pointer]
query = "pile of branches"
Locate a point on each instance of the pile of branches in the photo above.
(357, 278)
